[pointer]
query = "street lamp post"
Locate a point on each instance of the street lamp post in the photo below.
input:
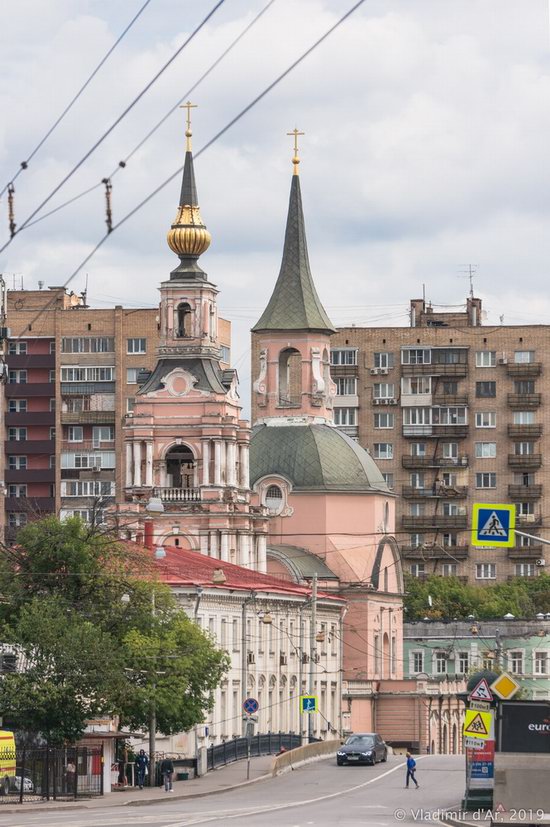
(312, 651)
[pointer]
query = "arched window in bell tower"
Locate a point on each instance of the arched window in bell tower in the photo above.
(290, 378)
(180, 467)
(184, 321)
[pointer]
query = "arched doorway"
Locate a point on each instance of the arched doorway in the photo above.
(184, 321)
(290, 378)
(180, 467)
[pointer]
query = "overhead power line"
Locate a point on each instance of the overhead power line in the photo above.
(117, 121)
(24, 164)
(212, 141)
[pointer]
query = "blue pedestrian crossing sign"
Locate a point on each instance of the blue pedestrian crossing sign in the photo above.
(308, 703)
(250, 706)
(493, 525)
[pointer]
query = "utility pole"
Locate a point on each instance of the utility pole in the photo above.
(152, 714)
(498, 648)
(244, 656)
(312, 651)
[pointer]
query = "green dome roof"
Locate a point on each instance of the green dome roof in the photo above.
(313, 458)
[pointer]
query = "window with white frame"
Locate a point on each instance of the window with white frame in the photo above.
(486, 450)
(449, 416)
(416, 356)
(417, 664)
(486, 480)
(345, 416)
(486, 419)
(88, 374)
(17, 434)
(383, 390)
(418, 569)
(486, 390)
(463, 663)
(346, 385)
(486, 571)
(130, 404)
(17, 490)
(87, 488)
(99, 459)
(17, 377)
(524, 448)
(416, 384)
(449, 569)
(17, 519)
(417, 479)
(525, 570)
(515, 662)
(389, 480)
(16, 462)
(383, 450)
(449, 450)
(384, 420)
(75, 433)
(17, 348)
(540, 663)
(522, 357)
(417, 416)
(416, 540)
(343, 356)
(440, 663)
(87, 344)
(17, 406)
(137, 346)
(451, 509)
(486, 359)
(524, 417)
(383, 360)
(132, 375)
(525, 508)
(103, 433)
(417, 509)
(418, 449)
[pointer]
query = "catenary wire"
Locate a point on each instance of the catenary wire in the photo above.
(24, 164)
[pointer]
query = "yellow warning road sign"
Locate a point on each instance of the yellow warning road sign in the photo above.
(477, 724)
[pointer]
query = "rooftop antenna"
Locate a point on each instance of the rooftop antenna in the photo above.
(470, 272)
(85, 292)
(424, 286)
(501, 319)
(40, 285)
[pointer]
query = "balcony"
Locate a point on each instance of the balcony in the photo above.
(524, 368)
(450, 399)
(435, 370)
(31, 505)
(30, 418)
(528, 521)
(434, 551)
(29, 475)
(458, 431)
(524, 492)
(434, 521)
(524, 431)
(526, 553)
(30, 446)
(87, 445)
(88, 417)
(434, 462)
(30, 361)
(23, 390)
(522, 401)
(178, 495)
(525, 460)
(436, 490)
(87, 388)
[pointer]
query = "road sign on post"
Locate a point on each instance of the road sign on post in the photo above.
(250, 706)
(505, 686)
(477, 724)
(481, 692)
(493, 525)
(308, 703)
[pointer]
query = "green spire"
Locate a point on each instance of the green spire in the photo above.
(294, 303)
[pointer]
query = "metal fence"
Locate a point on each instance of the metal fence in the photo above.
(234, 750)
(51, 774)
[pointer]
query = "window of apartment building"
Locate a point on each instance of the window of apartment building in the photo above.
(486, 571)
(525, 570)
(449, 569)
(451, 509)
(522, 357)
(449, 479)
(440, 663)
(527, 541)
(389, 480)
(17, 348)
(524, 417)
(485, 450)
(77, 404)
(450, 388)
(346, 385)
(540, 663)
(82, 513)
(130, 404)
(486, 389)
(450, 356)
(416, 356)
(226, 354)
(17, 462)
(52, 433)
(418, 569)
(343, 356)
(52, 405)
(524, 448)
(17, 490)
(87, 344)
(103, 433)
(450, 539)
(515, 662)
(449, 416)
(52, 460)
(75, 433)
(486, 480)
(383, 390)
(524, 478)
(87, 374)
(416, 540)
(383, 360)
(417, 664)
(416, 384)
(17, 434)
(52, 347)
(52, 376)
(137, 346)
(384, 420)
(17, 406)
(99, 459)
(383, 450)
(132, 375)
(525, 508)
(417, 416)
(417, 509)
(17, 377)
(524, 386)
(463, 663)
(418, 449)
(486, 359)
(486, 419)
(17, 519)
(87, 488)
(417, 479)
(345, 416)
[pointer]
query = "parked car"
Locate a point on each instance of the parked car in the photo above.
(362, 748)
(28, 786)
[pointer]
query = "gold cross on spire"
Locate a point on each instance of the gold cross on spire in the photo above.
(295, 160)
(189, 106)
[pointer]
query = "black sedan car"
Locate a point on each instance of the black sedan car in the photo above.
(362, 748)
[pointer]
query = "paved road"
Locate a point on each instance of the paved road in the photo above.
(319, 795)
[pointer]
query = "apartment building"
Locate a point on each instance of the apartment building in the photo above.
(72, 373)
(454, 413)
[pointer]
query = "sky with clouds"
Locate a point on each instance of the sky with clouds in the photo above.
(426, 150)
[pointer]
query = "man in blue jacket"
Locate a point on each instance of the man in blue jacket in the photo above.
(411, 770)
(142, 763)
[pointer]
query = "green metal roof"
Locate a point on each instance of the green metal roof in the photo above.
(313, 458)
(294, 303)
(303, 563)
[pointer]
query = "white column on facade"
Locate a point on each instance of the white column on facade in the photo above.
(149, 464)
(128, 464)
(137, 463)
(214, 550)
(206, 462)
(224, 550)
(262, 553)
(244, 550)
(223, 450)
(231, 476)
(217, 462)
(244, 466)
(204, 544)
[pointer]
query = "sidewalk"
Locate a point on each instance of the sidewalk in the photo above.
(216, 781)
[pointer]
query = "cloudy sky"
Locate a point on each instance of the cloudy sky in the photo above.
(426, 150)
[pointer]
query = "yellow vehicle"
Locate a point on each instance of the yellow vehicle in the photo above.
(7, 761)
